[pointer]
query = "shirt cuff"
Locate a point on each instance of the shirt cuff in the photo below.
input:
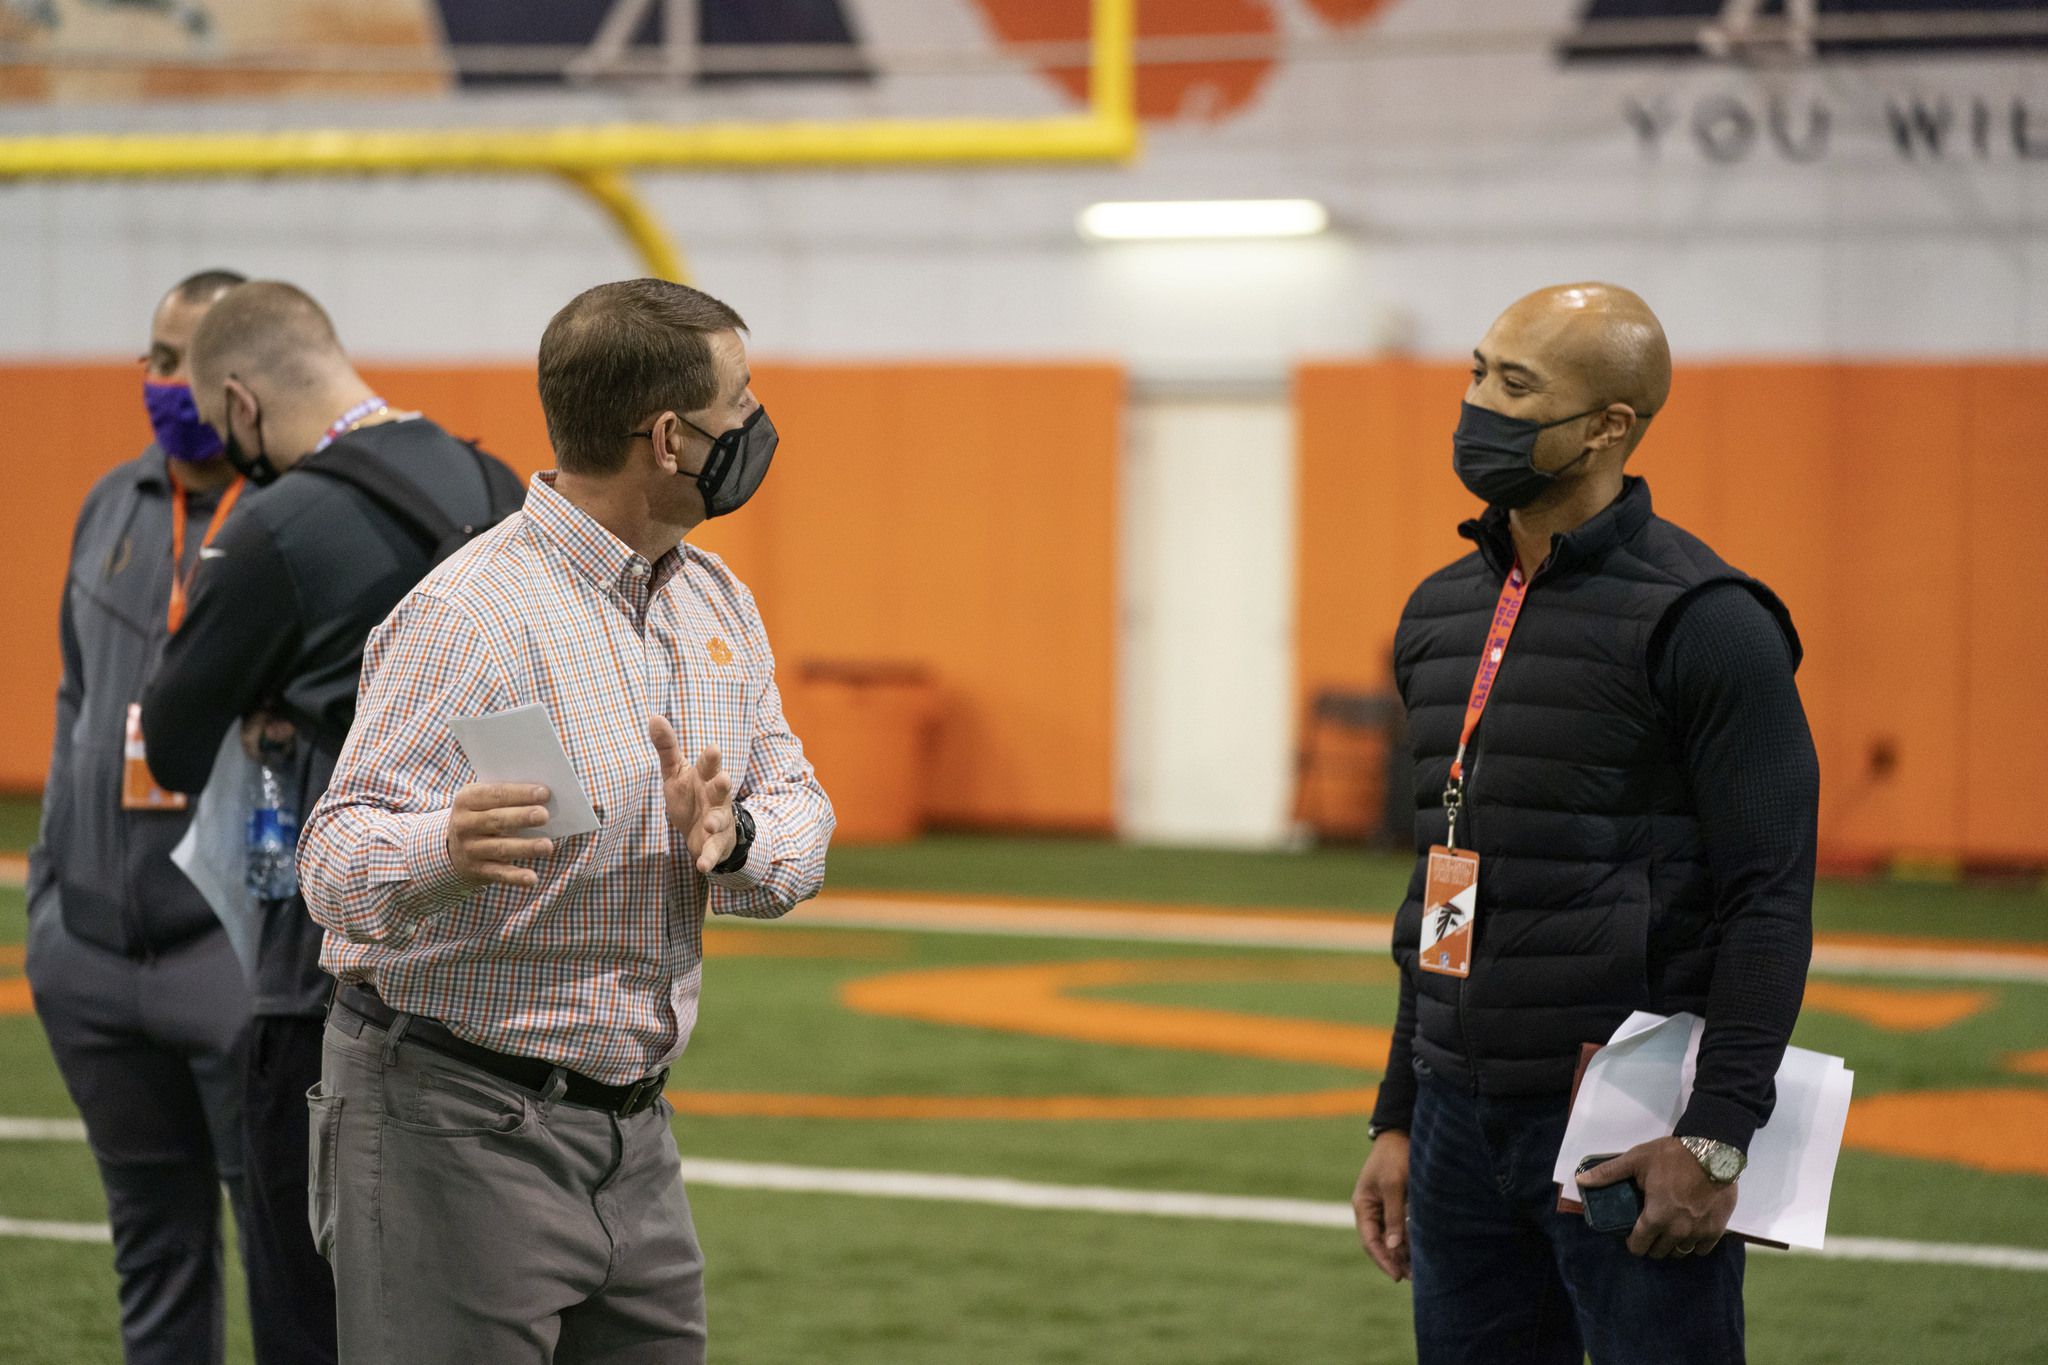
(431, 881)
(1395, 1105)
(1710, 1116)
(760, 858)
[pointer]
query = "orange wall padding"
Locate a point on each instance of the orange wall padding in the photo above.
(961, 518)
(1893, 506)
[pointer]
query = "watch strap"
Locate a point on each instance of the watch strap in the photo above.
(742, 840)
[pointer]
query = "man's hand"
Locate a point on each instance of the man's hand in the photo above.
(485, 839)
(1379, 1204)
(1684, 1212)
(698, 798)
(260, 728)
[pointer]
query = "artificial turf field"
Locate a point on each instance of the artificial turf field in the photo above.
(1151, 1065)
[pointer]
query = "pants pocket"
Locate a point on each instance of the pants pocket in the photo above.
(323, 1155)
(431, 1102)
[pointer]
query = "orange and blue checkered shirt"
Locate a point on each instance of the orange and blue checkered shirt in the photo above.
(599, 967)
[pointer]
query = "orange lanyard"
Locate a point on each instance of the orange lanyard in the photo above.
(181, 581)
(1505, 613)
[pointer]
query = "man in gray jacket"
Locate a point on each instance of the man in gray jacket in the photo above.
(144, 1003)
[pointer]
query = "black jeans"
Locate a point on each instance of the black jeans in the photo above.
(1500, 1275)
(291, 1287)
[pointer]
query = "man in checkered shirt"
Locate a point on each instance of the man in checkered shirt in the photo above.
(494, 1176)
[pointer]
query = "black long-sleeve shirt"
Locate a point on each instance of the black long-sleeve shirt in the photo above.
(1724, 676)
(304, 571)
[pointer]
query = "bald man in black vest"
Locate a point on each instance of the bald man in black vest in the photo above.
(1615, 793)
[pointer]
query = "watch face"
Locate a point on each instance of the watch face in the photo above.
(1722, 1162)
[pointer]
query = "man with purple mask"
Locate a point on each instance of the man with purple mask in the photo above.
(144, 1002)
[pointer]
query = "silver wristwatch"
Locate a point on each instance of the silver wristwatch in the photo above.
(1721, 1162)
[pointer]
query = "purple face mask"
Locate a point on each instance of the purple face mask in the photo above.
(179, 432)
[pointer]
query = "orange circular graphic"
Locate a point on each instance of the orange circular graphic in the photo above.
(1037, 999)
(1986, 1130)
(1199, 90)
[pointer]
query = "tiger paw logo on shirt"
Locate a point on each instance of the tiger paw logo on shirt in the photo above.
(719, 650)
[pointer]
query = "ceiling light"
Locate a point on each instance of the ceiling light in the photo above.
(1186, 219)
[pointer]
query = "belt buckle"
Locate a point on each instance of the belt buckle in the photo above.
(643, 1094)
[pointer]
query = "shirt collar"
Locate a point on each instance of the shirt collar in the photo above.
(153, 474)
(155, 469)
(594, 552)
(1615, 525)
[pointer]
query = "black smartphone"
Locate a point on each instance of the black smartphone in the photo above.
(1611, 1208)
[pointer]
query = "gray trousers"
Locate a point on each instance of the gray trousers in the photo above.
(472, 1222)
(151, 1052)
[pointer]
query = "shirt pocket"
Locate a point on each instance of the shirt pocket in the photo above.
(719, 705)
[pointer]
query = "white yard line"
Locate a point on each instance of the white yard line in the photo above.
(1025, 1194)
(41, 1130)
(1956, 964)
(1016, 1194)
(1028, 1194)
(1326, 933)
(44, 1231)
(1931, 1253)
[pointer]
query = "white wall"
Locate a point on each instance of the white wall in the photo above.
(1207, 676)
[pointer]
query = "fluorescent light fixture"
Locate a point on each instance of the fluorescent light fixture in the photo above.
(1188, 219)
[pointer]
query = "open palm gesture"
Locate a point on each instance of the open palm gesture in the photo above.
(698, 797)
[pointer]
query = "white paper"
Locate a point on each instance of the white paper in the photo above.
(214, 854)
(1636, 1087)
(521, 745)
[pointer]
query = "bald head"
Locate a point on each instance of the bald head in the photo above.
(266, 333)
(177, 317)
(1589, 343)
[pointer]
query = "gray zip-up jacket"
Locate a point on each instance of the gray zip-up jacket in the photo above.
(111, 869)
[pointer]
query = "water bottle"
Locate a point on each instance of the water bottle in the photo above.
(273, 831)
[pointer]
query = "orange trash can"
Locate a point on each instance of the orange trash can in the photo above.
(866, 729)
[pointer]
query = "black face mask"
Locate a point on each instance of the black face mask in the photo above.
(257, 468)
(737, 463)
(1494, 455)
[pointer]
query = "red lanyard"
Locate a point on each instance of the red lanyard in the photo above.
(1505, 613)
(181, 581)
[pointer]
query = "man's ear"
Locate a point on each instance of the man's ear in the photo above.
(237, 401)
(1616, 422)
(665, 428)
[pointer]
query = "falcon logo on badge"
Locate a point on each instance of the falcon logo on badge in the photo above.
(1450, 904)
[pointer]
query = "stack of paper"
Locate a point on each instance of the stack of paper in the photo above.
(1636, 1087)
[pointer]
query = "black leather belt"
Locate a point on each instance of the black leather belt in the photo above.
(530, 1073)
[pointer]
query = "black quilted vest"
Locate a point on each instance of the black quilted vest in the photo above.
(1594, 899)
